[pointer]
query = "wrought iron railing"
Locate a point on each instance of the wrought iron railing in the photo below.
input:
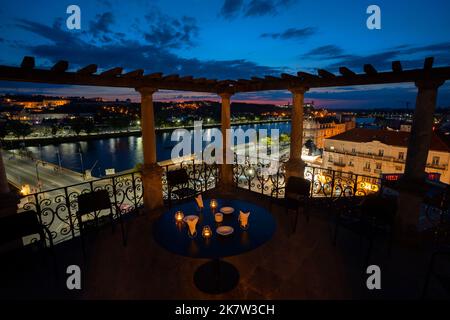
(202, 176)
(57, 208)
(270, 179)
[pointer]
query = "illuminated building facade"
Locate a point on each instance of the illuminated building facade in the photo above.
(317, 129)
(381, 152)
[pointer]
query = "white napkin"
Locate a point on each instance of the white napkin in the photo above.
(192, 224)
(243, 218)
(199, 201)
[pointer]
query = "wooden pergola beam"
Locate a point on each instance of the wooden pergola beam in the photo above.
(428, 63)
(272, 78)
(187, 78)
(346, 72)
(112, 72)
(60, 66)
(287, 76)
(171, 77)
(307, 76)
(58, 74)
(397, 66)
(370, 69)
(134, 74)
(90, 69)
(27, 63)
(156, 75)
(325, 74)
(442, 73)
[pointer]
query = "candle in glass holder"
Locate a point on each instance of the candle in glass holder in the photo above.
(179, 215)
(218, 217)
(213, 204)
(206, 232)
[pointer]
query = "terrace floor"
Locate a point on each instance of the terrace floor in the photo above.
(304, 265)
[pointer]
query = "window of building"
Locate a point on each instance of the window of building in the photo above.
(350, 163)
(381, 152)
(367, 165)
(398, 168)
(435, 161)
(401, 156)
(330, 158)
(378, 164)
(353, 150)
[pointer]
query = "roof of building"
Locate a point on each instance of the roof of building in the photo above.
(327, 119)
(389, 137)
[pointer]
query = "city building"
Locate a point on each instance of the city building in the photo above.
(317, 129)
(376, 152)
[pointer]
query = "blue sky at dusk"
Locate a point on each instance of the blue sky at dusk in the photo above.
(230, 39)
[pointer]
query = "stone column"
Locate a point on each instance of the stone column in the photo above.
(421, 131)
(4, 188)
(151, 171)
(8, 199)
(226, 168)
(412, 184)
(296, 166)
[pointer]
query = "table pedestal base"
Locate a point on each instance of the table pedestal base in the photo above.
(216, 277)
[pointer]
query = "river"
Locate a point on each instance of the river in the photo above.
(124, 152)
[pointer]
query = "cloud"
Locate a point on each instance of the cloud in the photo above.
(53, 33)
(168, 32)
(260, 8)
(101, 25)
(327, 51)
(132, 54)
(253, 8)
(291, 33)
(410, 56)
(230, 8)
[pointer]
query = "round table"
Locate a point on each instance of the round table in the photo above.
(216, 276)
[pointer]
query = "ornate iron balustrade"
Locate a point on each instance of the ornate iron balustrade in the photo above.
(270, 179)
(57, 208)
(261, 176)
(202, 176)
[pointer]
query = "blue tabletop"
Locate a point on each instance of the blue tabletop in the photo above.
(174, 237)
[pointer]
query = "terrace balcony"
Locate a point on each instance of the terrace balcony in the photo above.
(301, 265)
(310, 263)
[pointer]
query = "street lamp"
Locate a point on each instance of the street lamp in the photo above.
(37, 176)
(81, 161)
(59, 158)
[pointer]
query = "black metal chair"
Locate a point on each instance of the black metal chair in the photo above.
(297, 195)
(179, 185)
(442, 275)
(90, 205)
(19, 225)
(437, 214)
(372, 217)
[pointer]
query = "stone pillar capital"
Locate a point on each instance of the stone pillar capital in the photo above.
(146, 91)
(298, 90)
(429, 84)
(225, 95)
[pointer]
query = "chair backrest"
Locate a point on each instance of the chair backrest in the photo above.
(18, 225)
(93, 201)
(297, 186)
(177, 177)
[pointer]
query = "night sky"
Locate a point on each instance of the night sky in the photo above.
(230, 39)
